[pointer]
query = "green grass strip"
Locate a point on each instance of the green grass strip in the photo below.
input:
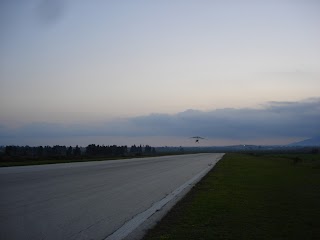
(27, 162)
(250, 197)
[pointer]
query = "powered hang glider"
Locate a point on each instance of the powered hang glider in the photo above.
(197, 138)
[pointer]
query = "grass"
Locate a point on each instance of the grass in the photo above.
(27, 162)
(250, 197)
(50, 161)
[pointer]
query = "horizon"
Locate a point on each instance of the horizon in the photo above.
(196, 145)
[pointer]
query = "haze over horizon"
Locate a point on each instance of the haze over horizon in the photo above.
(157, 73)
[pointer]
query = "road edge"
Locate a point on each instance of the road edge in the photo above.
(136, 228)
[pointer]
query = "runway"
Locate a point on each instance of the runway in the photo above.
(88, 200)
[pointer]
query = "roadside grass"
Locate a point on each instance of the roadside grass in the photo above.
(248, 196)
(27, 162)
(50, 161)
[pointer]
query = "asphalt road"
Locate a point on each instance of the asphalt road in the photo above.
(88, 200)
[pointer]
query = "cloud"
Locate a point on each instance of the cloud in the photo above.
(273, 120)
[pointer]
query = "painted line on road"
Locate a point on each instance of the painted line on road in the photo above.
(137, 220)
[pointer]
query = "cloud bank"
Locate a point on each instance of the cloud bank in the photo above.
(273, 120)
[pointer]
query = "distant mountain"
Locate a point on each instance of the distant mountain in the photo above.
(315, 141)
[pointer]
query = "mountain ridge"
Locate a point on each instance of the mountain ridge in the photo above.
(314, 141)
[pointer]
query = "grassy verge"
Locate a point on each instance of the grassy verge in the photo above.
(250, 197)
(27, 162)
(51, 161)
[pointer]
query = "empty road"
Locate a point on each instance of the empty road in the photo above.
(88, 200)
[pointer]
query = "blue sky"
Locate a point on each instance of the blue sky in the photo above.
(79, 68)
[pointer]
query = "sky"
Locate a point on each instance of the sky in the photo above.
(158, 72)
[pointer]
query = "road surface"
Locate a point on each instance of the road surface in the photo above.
(88, 200)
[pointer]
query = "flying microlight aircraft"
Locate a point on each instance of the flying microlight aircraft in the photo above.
(197, 138)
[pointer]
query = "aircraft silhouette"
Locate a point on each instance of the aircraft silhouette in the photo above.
(197, 138)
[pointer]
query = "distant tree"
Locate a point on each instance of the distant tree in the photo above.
(91, 150)
(69, 151)
(139, 149)
(77, 151)
(40, 151)
(147, 149)
(133, 149)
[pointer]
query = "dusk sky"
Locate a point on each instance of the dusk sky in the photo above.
(158, 72)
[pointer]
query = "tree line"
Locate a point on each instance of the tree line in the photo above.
(60, 152)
